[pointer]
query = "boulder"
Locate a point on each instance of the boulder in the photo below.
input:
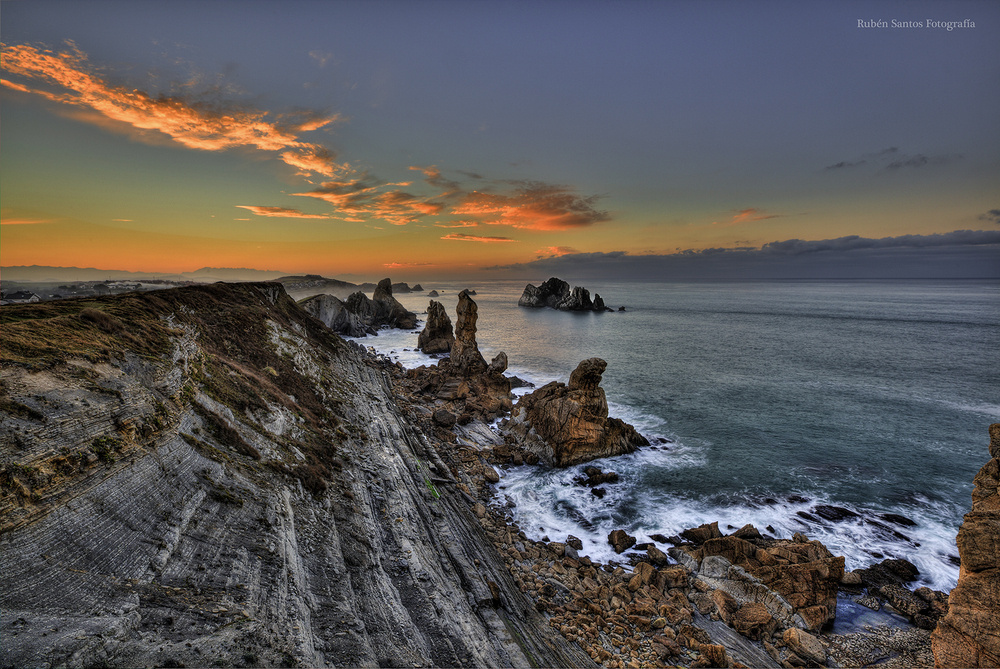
(805, 645)
(569, 424)
(621, 540)
(754, 621)
(437, 335)
(433, 293)
(969, 635)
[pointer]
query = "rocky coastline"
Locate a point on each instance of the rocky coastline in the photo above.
(243, 488)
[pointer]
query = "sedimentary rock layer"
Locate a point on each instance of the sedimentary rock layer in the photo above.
(241, 489)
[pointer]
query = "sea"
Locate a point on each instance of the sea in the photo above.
(854, 412)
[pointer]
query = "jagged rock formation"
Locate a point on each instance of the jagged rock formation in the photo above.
(465, 356)
(358, 316)
(437, 335)
(969, 635)
(206, 476)
(796, 580)
(464, 382)
(333, 313)
(556, 294)
(390, 311)
(568, 424)
(433, 293)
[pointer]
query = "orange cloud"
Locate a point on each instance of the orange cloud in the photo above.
(535, 206)
(24, 221)
(279, 212)
(747, 216)
(458, 224)
(555, 251)
(193, 125)
(404, 265)
(457, 237)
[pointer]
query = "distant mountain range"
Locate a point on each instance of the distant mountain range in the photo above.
(42, 274)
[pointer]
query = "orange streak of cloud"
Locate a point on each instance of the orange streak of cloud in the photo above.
(279, 212)
(457, 237)
(193, 126)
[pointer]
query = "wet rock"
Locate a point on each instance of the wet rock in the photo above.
(621, 541)
(702, 533)
(575, 542)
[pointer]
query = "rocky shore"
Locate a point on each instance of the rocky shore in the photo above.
(242, 488)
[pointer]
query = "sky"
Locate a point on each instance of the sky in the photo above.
(509, 139)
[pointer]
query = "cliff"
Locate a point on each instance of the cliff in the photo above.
(208, 476)
(969, 635)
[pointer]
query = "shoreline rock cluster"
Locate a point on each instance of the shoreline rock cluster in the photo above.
(557, 294)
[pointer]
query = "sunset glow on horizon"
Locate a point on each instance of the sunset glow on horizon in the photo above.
(351, 138)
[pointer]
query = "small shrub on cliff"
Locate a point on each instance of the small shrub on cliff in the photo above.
(104, 448)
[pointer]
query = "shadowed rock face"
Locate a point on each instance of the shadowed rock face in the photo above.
(566, 425)
(333, 313)
(969, 635)
(437, 335)
(358, 316)
(242, 490)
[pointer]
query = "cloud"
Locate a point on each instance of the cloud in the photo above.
(992, 216)
(535, 206)
(892, 159)
(279, 212)
(920, 160)
(458, 224)
(25, 221)
(432, 175)
(321, 57)
(958, 254)
(405, 265)
(555, 251)
(458, 237)
(69, 80)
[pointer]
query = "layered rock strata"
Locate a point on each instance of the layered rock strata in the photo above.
(557, 294)
(237, 486)
(568, 424)
(437, 335)
(969, 635)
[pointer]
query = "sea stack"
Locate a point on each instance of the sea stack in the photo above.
(556, 294)
(568, 424)
(969, 635)
(437, 335)
(465, 356)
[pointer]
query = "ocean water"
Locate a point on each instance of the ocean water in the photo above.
(766, 403)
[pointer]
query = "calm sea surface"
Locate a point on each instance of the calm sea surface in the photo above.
(764, 401)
